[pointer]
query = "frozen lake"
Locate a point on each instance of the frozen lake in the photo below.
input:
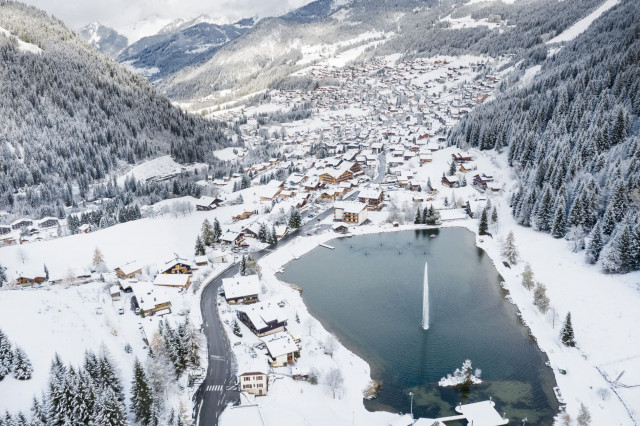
(368, 291)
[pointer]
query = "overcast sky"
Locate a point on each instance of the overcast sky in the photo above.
(126, 15)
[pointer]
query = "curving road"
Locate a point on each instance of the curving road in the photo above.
(219, 387)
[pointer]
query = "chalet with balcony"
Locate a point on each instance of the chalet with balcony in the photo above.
(282, 349)
(128, 270)
(372, 198)
(263, 319)
(176, 266)
(241, 289)
(353, 212)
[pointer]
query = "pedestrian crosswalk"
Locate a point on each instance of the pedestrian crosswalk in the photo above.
(214, 388)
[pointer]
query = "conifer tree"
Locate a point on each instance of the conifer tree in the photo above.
(418, 219)
(452, 168)
(594, 247)
(262, 233)
(200, 250)
(494, 215)
(38, 412)
(3, 275)
(616, 256)
(217, 230)
(243, 266)
(543, 213)
(6, 356)
(294, 219)
(509, 250)
(208, 235)
(484, 225)
(559, 222)
(109, 409)
(566, 334)
(141, 396)
(22, 369)
(527, 277)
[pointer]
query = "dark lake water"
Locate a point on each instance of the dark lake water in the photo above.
(373, 303)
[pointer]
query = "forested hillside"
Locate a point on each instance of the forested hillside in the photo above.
(72, 116)
(572, 137)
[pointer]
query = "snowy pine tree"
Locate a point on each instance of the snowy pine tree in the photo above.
(110, 411)
(141, 396)
(418, 219)
(199, 249)
(566, 334)
(559, 221)
(616, 255)
(6, 356)
(21, 368)
(595, 244)
(3, 275)
(483, 229)
(509, 250)
(294, 218)
(208, 235)
(217, 230)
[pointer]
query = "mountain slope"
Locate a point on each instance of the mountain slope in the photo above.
(71, 116)
(573, 138)
(277, 47)
(180, 46)
(106, 40)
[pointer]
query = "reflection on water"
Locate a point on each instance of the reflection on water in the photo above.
(368, 291)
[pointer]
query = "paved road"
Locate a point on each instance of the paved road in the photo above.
(219, 387)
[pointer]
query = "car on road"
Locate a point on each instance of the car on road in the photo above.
(121, 311)
(308, 234)
(310, 216)
(137, 311)
(237, 344)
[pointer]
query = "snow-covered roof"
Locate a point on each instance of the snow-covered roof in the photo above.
(350, 206)
(243, 415)
(148, 296)
(114, 289)
(205, 201)
(229, 236)
(370, 194)
(172, 280)
(130, 267)
(241, 286)
(280, 344)
(261, 313)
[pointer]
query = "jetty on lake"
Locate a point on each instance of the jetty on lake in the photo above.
(477, 414)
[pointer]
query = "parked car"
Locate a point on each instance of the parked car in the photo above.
(121, 311)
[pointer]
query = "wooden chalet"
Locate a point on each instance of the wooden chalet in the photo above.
(372, 198)
(450, 181)
(173, 280)
(282, 349)
(150, 300)
(128, 270)
(4, 229)
(29, 279)
(459, 158)
(207, 203)
(232, 238)
(176, 266)
(48, 222)
(21, 223)
(352, 212)
(481, 181)
(262, 319)
(244, 215)
(241, 289)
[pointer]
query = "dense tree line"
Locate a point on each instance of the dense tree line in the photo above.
(572, 136)
(71, 116)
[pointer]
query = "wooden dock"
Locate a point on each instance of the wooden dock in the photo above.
(328, 246)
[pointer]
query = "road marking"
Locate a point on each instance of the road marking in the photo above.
(214, 388)
(217, 358)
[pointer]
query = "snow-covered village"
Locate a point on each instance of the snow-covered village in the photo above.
(416, 214)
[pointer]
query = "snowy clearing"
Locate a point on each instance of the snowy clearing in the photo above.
(581, 26)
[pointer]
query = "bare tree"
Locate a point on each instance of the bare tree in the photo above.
(21, 255)
(334, 380)
(330, 345)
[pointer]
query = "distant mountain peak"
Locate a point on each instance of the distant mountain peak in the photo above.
(105, 39)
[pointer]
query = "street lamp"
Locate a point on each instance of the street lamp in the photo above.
(411, 395)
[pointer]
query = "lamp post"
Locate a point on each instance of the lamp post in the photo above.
(411, 395)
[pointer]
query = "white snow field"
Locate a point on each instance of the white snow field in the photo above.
(581, 26)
